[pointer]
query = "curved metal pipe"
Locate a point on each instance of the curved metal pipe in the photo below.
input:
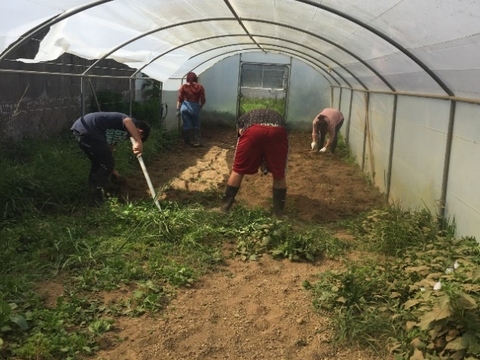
(384, 37)
(295, 51)
(52, 21)
(194, 41)
(234, 52)
(394, 43)
(129, 41)
(372, 69)
(246, 19)
(263, 44)
(240, 22)
(288, 41)
(320, 53)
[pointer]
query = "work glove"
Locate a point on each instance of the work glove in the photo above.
(323, 149)
(313, 145)
(178, 113)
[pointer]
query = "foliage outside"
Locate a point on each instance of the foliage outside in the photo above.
(248, 104)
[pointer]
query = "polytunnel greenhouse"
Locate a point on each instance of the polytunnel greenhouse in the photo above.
(404, 73)
(373, 251)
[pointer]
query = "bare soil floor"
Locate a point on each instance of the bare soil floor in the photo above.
(248, 310)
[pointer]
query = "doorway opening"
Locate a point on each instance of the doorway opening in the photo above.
(263, 86)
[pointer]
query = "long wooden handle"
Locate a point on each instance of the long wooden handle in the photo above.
(147, 178)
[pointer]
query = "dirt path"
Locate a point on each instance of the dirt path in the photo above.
(248, 310)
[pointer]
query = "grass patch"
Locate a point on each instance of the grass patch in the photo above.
(414, 296)
(417, 299)
(121, 246)
(49, 236)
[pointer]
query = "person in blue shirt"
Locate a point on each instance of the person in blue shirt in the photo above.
(97, 134)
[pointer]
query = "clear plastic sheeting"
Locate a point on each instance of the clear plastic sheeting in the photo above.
(429, 46)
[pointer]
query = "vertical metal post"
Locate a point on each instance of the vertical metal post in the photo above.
(287, 92)
(239, 88)
(446, 166)
(392, 141)
(367, 103)
(347, 135)
(82, 95)
(130, 81)
(340, 100)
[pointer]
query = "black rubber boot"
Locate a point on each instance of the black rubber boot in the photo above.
(186, 137)
(196, 138)
(279, 196)
(228, 198)
(97, 197)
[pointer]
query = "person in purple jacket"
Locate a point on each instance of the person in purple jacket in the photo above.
(97, 134)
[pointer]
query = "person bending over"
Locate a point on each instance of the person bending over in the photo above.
(328, 121)
(97, 134)
(262, 137)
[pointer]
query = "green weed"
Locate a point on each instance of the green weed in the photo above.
(418, 296)
(418, 300)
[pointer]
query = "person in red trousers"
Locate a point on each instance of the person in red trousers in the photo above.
(262, 137)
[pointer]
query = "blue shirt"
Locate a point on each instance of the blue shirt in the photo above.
(103, 126)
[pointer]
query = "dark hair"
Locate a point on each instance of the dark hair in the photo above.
(143, 125)
(322, 123)
(192, 77)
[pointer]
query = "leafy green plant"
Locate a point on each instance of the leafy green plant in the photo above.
(9, 318)
(152, 88)
(422, 302)
(140, 256)
(280, 239)
(391, 231)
